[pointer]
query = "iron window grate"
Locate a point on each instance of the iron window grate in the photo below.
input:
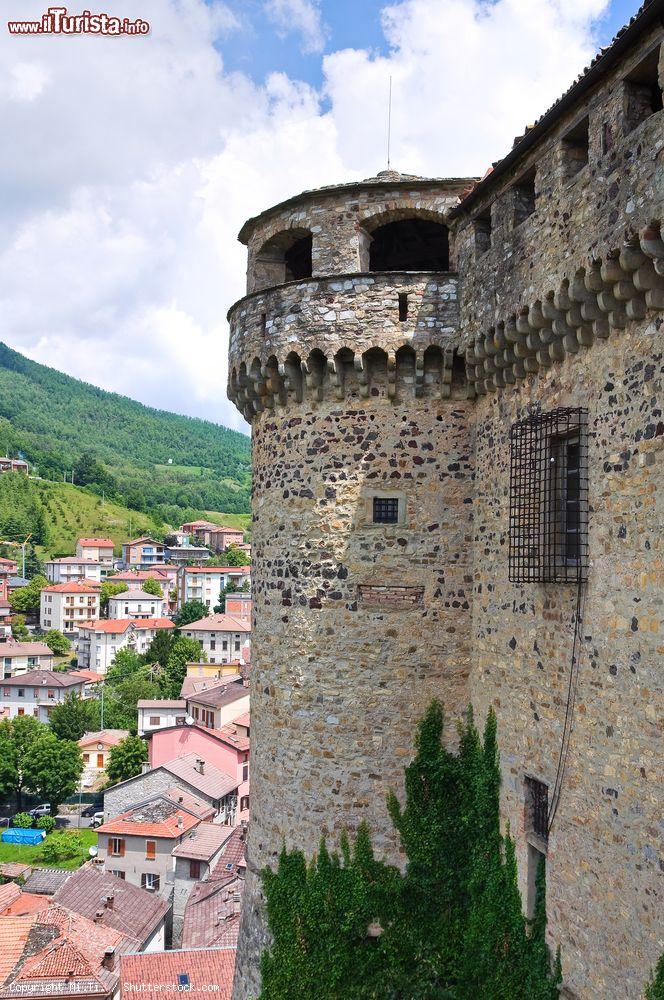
(548, 527)
(386, 510)
(538, 805)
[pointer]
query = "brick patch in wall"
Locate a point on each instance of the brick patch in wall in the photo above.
(378, 598)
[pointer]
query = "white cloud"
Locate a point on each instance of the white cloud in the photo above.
(302, 17)
(133, 163)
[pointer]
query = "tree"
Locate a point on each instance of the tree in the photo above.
(53, 769)
(152, 586)
(127, 759)
(108, 590)
(183, 651)
(235, 556)
(17, 736)
(23, 821)
(27, 598)
(159, 649)
(191, 611)
(62, 847)
(120, 707)
(58, 643)
(72, 718)
(450, 927)
(19, 630)
(125, 663)
(655, 988)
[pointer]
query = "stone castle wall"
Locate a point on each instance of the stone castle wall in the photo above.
(557, 302)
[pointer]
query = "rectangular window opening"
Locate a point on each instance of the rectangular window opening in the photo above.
(403, 307)
(386, 510)
(643, 96)
(575, 146)
(548, 518)
(537, 808)
(524, 197)
(482, 232)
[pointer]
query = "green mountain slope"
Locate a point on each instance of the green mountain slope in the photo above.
(54, 420)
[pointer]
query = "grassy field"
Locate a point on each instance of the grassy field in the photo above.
(71, 513)
(231, 520)
(31, 855)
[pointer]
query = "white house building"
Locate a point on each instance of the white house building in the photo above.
(66, 606)
(223, 638)
(159, 714)
(99, 641)
(135, 604)
(20, 657)
(37, 693)
(72, 568)
(205, 583)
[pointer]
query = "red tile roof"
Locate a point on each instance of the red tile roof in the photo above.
(116, 626)
(9, 893)
(14, 933)
(134, 912)
(12, 649)
(43, 678)
(211, 917)
(109, 737)
(154, 819)
(217, 623)
(242, 570)
(205, 968)
(75, 587)
(75, 560)
(103, 542)
(87, 675)
(203, 843)
(14, 869)
(26, 902)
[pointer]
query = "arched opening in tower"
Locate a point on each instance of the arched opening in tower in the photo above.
(285, 257)
(410, 245)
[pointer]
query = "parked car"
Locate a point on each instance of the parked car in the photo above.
(97, 819)
(42, 810)
(90, 810)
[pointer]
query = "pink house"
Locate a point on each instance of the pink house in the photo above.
(224, 748)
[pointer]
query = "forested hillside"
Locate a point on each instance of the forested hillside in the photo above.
(150, 460)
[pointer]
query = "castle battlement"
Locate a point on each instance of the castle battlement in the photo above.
(456, 393)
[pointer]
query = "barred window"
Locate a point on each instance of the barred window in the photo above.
(386, 510)
(537, 808)
(548, 529)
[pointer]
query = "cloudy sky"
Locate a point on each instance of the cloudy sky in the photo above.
(129, 164)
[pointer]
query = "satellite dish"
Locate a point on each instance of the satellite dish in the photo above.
(188, 721)
(93, 851)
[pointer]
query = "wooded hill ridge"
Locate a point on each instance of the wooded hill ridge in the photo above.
(59, 423)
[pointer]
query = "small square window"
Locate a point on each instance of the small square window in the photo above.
(575, 146)
(386, 510)
(482, 232)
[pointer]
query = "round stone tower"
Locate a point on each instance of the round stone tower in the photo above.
(344, 359)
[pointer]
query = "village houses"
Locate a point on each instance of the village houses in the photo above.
(135, 604)
(20, 657)
(205, 583)
(95, 549)
(70, 568)
(37, 692)
(99, 640)
(96, 748)
(142, 553)
(222, 638)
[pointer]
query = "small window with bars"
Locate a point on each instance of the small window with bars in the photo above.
(386, 510)
(548, 529)
(537, 808)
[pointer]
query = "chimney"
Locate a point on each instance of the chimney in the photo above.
(180, 823)
(237, 902)
(109, 959)
(108, 901)
(200, 766)
(99, 916)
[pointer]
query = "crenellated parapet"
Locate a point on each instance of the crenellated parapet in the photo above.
(594, 302)
(392, 333)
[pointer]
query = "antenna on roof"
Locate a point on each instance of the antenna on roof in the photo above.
(389, 123)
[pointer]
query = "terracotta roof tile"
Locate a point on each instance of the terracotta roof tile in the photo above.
(203, 967)
(43, 678)
(156, 818)
(26, 902)
(9, 893)
(14, 933)
(104, 542)
(120, 625)
(74, 587)
(213, 782)
(203, 842)
(109, 737)
(134, 912)
(217, 623)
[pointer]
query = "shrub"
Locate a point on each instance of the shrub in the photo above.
(46, 823)
(23, 821)
(61, 847)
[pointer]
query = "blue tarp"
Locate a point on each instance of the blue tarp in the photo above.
(15, 835)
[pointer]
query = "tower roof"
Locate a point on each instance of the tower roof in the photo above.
(393, 178)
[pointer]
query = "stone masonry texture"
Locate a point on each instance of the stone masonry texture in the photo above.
(404, 384)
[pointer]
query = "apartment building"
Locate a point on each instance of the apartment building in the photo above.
(99, 640)
(73, 568)
(142, 552)
(205, 583)
(216, 536)
(223, 638)
(165, 575)
(66, 606)
(19, 658)
(37, 692)
(96, 549)
(135, 604)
